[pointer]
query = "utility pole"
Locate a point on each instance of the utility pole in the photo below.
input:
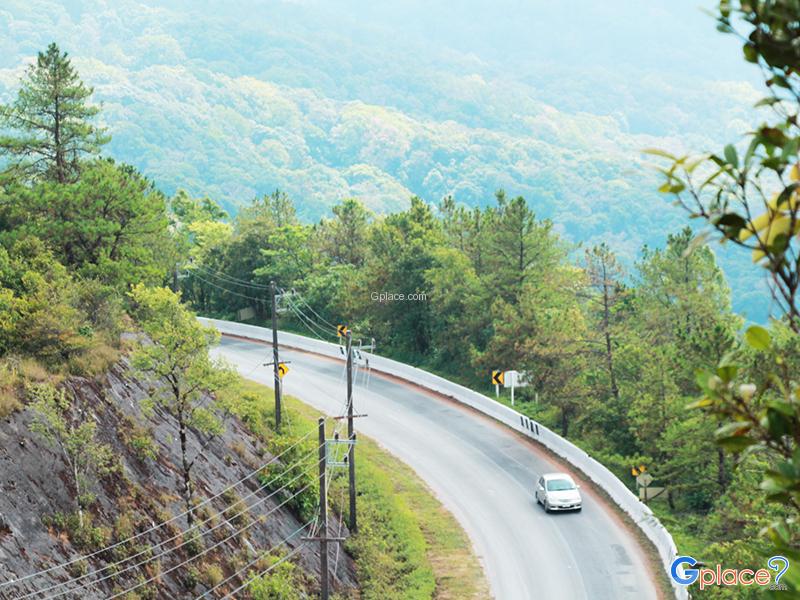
(275, 359)
(323, 513)
(351, 435)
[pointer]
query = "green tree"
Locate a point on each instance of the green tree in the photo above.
(460, 323)
(51, 119)
(280, 208)
(544, 334)
(521, 249)
(110, 224)
(38, 305)
(345, 236)
(185, 210)
(467, 230)
(175, 355)
(605, 276)
(71, 430)
(401, 251)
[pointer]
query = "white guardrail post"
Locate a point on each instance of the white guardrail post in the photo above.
(639, 512)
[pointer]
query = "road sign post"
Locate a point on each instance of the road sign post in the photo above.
(497, 380)
(643, 481)
(513, 380)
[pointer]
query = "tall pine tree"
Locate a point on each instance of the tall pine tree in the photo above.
(48, 128)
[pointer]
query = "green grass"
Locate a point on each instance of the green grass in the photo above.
(408, 545)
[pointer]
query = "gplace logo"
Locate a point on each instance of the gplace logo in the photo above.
(728, 577)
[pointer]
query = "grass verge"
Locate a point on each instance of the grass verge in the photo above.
(408, 545)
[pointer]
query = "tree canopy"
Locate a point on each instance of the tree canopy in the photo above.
(49, 126)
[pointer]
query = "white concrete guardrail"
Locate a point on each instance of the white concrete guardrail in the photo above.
(641, 514)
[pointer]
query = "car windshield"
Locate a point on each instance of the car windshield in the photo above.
(559, 485)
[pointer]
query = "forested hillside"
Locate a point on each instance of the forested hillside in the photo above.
(630, 341)
(309, 99)
(135, 466)
(611, 353)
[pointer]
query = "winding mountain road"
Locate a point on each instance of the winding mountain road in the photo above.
(484, 474)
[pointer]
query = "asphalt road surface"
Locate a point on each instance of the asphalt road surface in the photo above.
(484, 474)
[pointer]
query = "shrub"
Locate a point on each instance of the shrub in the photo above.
(193, 544)
(212, 574)
(32, 371)
(95, 360)
(143, 445)
(85, 537)
(236, 511)
(279, 584)
(9, 394)
(192, 578)
(9, 402)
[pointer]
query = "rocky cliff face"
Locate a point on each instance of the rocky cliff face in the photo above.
(38, 526)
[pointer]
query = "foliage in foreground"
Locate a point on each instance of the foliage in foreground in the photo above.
(750, 199)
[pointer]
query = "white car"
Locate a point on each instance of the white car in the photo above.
(558, 491)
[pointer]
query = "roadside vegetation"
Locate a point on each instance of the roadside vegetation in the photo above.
(408, 546)
(88, 248)
(639, 363)
(617, 354)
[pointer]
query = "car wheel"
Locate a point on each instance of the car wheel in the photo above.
(578, 509)
(546, 506)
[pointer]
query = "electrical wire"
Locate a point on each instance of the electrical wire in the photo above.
(195, 527)
(320, 317)
(264, 572)
(221, 584)
(309, 324)
(207, 550)
(224, 289)
(164, 553)
(230, 278)
(312, 325)
(159, 525)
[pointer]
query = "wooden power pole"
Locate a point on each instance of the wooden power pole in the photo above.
(351, 435)
(275, 359)
(323, 514)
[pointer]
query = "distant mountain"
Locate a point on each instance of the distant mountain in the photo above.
(327, 100)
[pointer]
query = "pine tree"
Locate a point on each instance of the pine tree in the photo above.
(49, 125)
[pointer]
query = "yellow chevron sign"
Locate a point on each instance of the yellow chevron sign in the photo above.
(498, 377)
(341, 330)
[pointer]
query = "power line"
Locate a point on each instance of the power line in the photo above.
(160, 544)
(264, 572)
(221, 584)
(309, 323)
(320, 317)
(161, 554)
(159, 525)
(207, 550)
(224, 289)
(230, 278)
